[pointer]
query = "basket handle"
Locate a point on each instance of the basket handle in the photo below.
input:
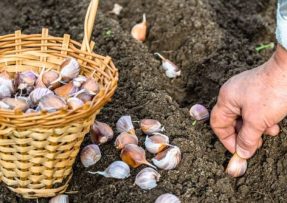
(89, 24)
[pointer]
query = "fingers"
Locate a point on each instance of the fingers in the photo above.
(222, 121)
(273, 130)
(248, 140)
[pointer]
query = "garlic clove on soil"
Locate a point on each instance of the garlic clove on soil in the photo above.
(90, 155)
(156, 143)
(134, 156)
(171, 70)
(17, 103)
(66, 90)
(150, 126)
(139, 31)
(101, 133)
(167, 198)
(168, 159)
(124, 124)
(199, 112)
(237, 166)
(147, 178)
(60, 199)
(117, 170)
(51, 103)
(117, 9)
(125, 138)
(74, 103)
(38, 93)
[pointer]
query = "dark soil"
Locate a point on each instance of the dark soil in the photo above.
(210, 40)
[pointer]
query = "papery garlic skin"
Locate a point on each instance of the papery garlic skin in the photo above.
(168, 159)
(124, 139)
(70, 69)
(199, 112)
(117, 170)
(156, 143)
(36, 95)
(60, 199)
(150, 126)
(139, 31)
(237, 166)
(101, 133)
(167, 198)
(147, 178)
(124, 124)
(90, 155)
(75, 103)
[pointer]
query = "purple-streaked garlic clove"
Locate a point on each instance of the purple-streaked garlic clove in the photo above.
(51, 103)
(90, 155)
(167, 198)
(25, 81)
(147, 178)
(171, 70)
(237, 166)
(156, 143)
(85, 97)
(117, 170)
(150, 126)
(101, 133)
(36, 95)
(124, 139)
(199, 112)
(74, 103)
(139, 31)
(124, 124)
(168, 159)
(78, 81)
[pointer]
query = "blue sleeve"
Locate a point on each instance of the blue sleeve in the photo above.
(281, 30)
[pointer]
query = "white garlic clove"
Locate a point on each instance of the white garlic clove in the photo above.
(36, 95)
(117, 9)
(150, 126)
(78, 81)
(5, 91)
(3, 105)
(167, 198)
(51, 103)
(70, 69)
(6, 85)
(139, 31)
(147, 178)
(168, 159)
(60, 199)
(18, 103)
(124, 139)
(199, 112)
(31, 111)
(156, 143)
(117, 170)
(90, 155)
(237, 166)
(125, 124)
(171, 70)
(25, 81)
(75, 103)
(101, 133)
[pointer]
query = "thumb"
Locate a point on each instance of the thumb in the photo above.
(247, 140)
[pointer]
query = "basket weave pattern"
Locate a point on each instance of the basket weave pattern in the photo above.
(37, 151)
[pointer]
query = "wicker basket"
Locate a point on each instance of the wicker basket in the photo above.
(37, 152)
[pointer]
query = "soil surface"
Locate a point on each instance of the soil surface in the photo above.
(210, 40)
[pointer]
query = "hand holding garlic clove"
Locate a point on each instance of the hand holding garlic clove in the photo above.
(237, 166)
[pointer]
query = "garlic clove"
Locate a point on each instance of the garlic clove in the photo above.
(237, 166)
(3, 105)
(38, 93)
(171, 70)
(5, 91)
(147, 178)
(66, 90)
(18, 103)
(5, 75)
(101, 133)
(168, 159)
(51, 103)
(125, 138)
(74, 103)
(60, 199)
(90, 155)
(31, 111)
(167, 198)
(6, 86)
(78, 81)
(156, 143)
(49, 77)
(25, 81)
(117, 9)
(134, 156)
(124, 124)
(91, 86)
(150, 126)
(70, 69)
(85, 97)
(117, 170)
(199, 112)
(139, 31)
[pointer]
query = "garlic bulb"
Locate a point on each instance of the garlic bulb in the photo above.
(147, 178)
(117, 170)
(78, 81)
(117, 9)
(150, 126)
(134, 156)
(199, 112)
(90, 155)
(19, 103)
(168, 159)
(237, 166)
(125, 124)
(49, 77)
(167, 198)
(25, 81)
(60, 199)
(51, 103)
(156, 143)
(125, 138)
(75, 103)
(38, 93)
(171, 70)
(101, 133)
(66, 90)
(139, 31)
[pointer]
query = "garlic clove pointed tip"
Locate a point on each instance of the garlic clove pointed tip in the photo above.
(160, 56)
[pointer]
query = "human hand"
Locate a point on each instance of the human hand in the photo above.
(259, 97)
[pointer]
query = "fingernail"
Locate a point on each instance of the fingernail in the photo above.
(243, 153)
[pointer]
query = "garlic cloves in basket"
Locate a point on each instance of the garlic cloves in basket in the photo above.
(125, 138)
(125, 124)
(38, 93)
(75, 103)
(6, 85)
(66, 90)
(147, 178)
(101, 133)
(117, 170)
(168, 159)
(49, 77)
(90, 155)
(25, 81)
(17, 103)
(156, 143)
(51, 103)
